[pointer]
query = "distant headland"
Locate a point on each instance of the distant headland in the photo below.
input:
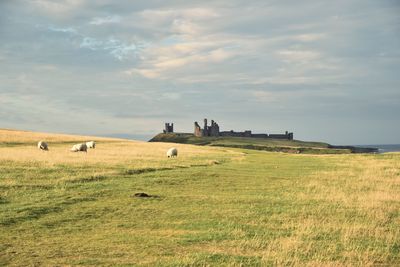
(211, 135)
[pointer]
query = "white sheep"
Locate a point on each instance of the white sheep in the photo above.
(79, 147)
(172, 152)
(42, 145)
(91, 144)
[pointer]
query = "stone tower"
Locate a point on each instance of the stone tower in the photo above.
(169, 128)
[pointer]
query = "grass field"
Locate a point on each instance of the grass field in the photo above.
(210, 206)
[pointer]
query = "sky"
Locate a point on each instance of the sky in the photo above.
(325, 70)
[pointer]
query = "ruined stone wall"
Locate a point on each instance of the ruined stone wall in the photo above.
(197, 130)
(213, 130)
(236, 134)
(288, 136)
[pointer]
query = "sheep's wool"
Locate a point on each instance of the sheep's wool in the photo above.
(172, 152)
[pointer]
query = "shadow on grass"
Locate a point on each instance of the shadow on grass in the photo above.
(93, 178)
(34, 213)
(147, 170)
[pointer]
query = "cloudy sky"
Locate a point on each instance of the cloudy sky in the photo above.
(326, 70)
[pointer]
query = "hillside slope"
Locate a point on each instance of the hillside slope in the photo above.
(10, 137)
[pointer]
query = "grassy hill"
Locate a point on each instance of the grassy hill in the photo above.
(10, 137)
(210, 206)
(266, 144)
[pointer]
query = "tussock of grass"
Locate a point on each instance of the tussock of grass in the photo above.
(215, 206)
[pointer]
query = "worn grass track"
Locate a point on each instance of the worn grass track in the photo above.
(212, 206)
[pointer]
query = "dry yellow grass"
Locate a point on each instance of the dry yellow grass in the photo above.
(108, 151)
(17, 136)
(358, 181)
(109, 156)
(133, 152)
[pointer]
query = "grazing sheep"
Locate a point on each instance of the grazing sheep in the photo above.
(91, 144)
(79, 147)
(172, 152)
(43, 145)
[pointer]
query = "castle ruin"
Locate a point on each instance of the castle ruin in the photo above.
(169, 128)
(213, 130)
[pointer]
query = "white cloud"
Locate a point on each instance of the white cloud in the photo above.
(64, 30)
(148, 73)
(190, 22)
(171, 96)
(45, 67)
(59, 8)
(187, 13)
(118, 49)
(182, 26)
(309, 37)
(264, 96)
(163, 65)
(105, 20)
(288, 79)
(91, 43)
(298, 55)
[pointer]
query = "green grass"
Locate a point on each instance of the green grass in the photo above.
(232, 207)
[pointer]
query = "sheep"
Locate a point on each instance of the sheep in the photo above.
(43, 145)
(91, 144)
(79, 147)
(172, 152)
